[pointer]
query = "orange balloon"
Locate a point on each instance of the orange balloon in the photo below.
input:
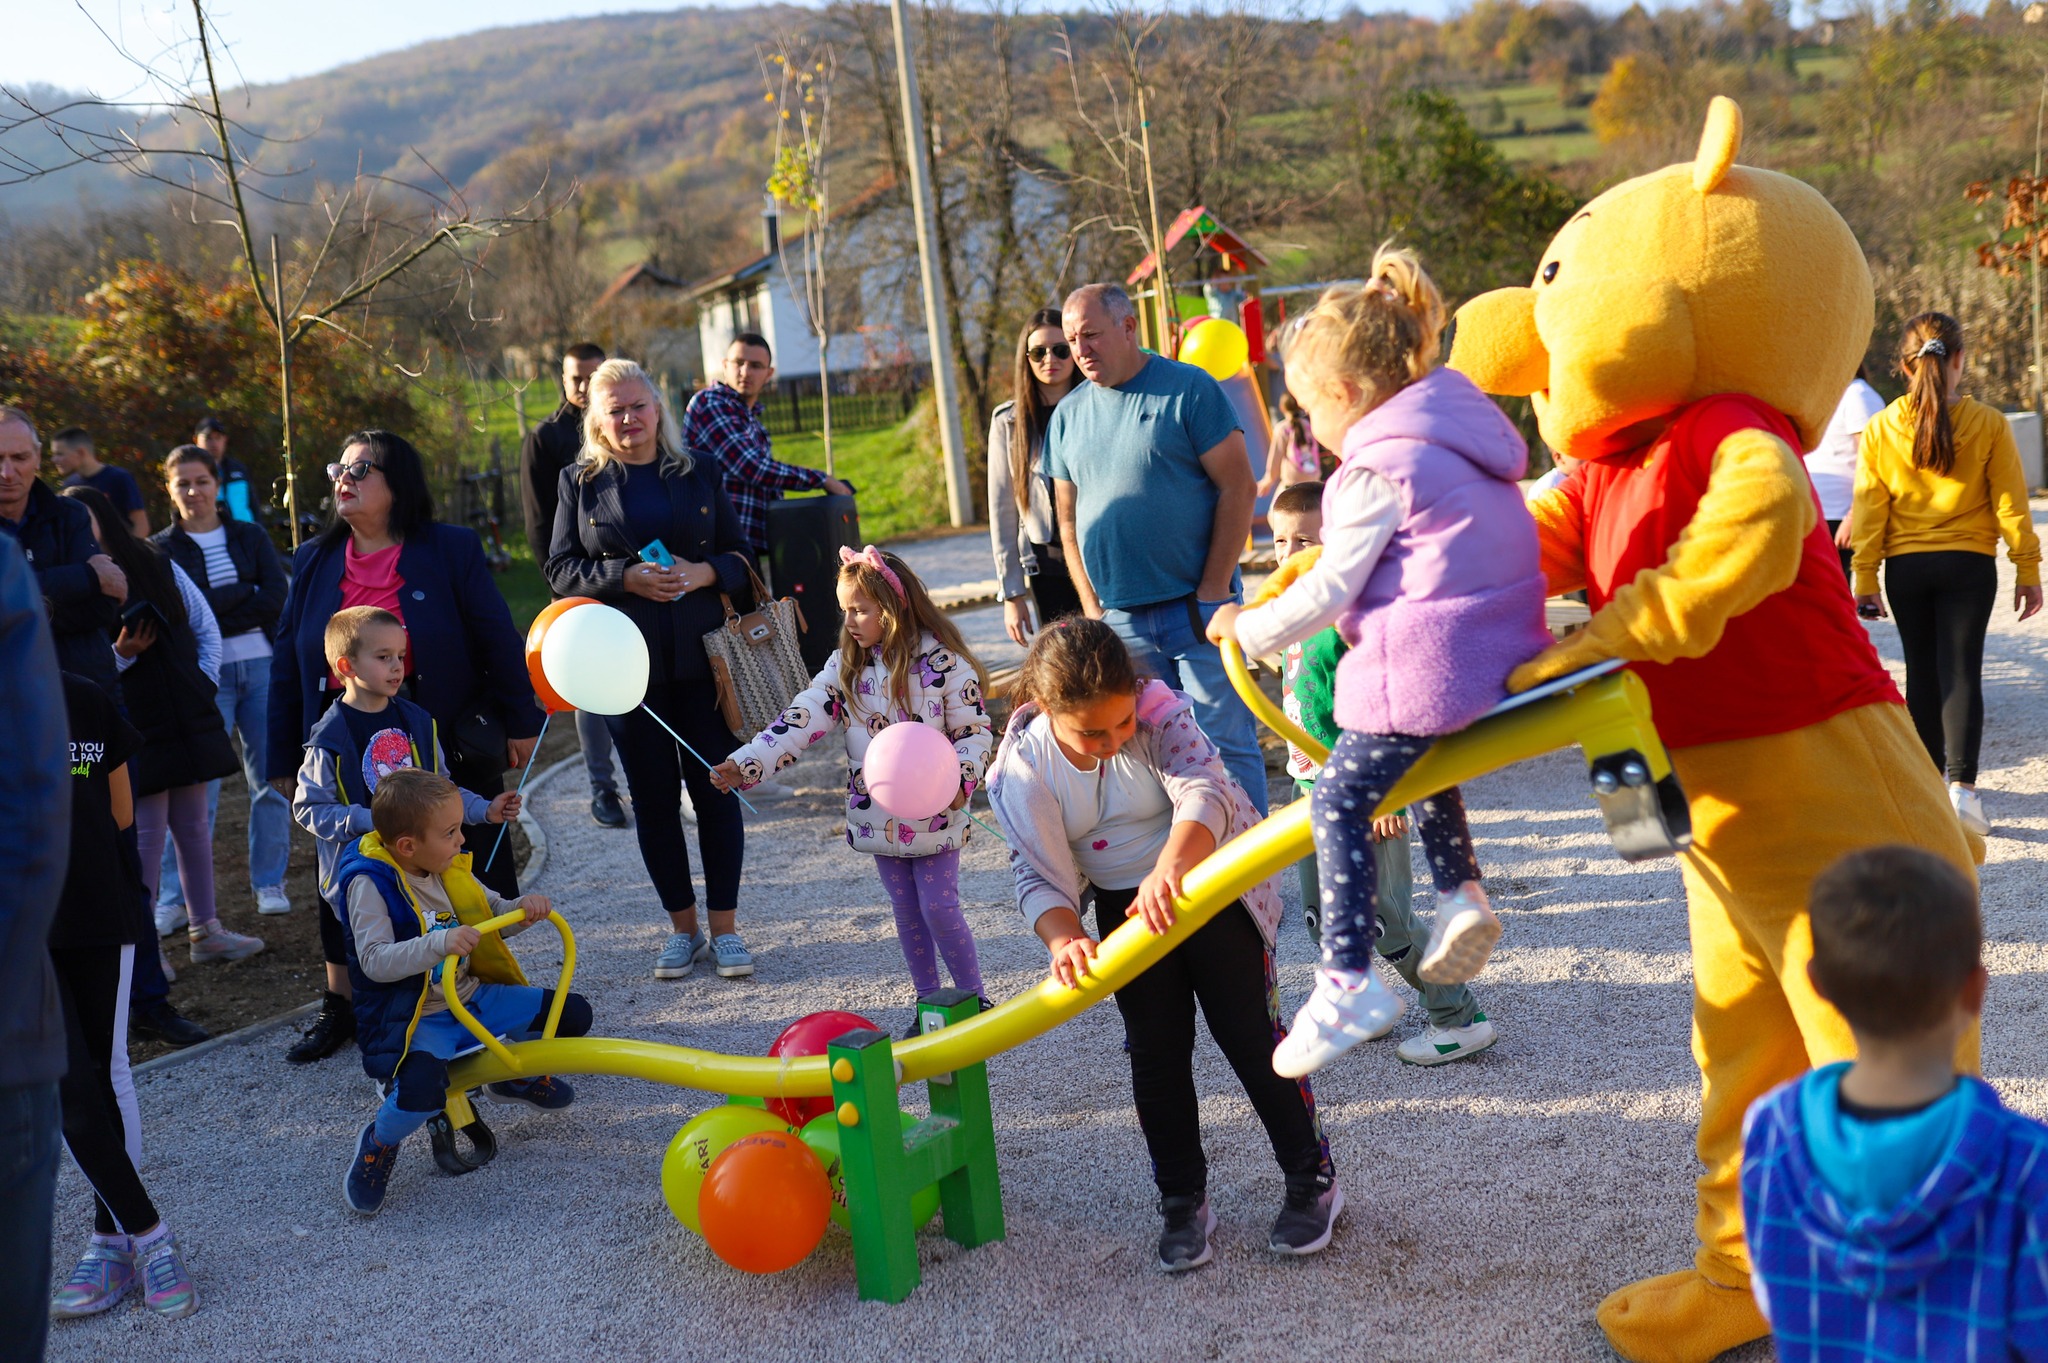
(765, 1202)
(538, 631)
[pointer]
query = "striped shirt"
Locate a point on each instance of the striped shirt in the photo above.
(221, 574)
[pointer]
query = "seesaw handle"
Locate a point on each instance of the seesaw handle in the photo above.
(468, 1019)
(1267, 713)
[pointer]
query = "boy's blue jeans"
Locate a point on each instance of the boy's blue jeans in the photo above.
(1167, 639)
(244, 703)
(504, 1010)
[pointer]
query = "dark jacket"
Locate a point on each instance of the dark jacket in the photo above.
(171, 701)
(593, 549)
(548, 449)
(464, 645)
(56, 534)
(35, 809)
(254, 603)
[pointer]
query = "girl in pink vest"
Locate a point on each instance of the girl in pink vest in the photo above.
(1429, 571)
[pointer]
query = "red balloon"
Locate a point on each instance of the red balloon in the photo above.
(538, 631)
(765, 1202)
(810, 1035)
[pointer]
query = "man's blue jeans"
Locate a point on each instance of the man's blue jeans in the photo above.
(1166, 640)
(29, 1137)
(596, 738)
(244, 703)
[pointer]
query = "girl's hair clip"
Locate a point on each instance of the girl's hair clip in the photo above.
(1931, 346)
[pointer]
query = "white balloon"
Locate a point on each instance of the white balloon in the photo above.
(596, 659)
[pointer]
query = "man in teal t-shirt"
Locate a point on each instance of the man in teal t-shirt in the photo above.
(1154, 497)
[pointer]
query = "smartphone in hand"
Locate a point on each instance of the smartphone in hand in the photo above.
(657, 553)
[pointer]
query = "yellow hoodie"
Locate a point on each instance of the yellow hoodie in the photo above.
(1901, 509)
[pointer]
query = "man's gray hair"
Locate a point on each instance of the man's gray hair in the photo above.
(1111, 297)
(8, 414)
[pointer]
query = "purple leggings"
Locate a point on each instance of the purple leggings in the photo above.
(181, 810)
(925, 892)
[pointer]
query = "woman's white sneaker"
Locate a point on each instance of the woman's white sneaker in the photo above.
(1442, 1045)
(1465, 932)
(1969, 809)
(1343, 1011)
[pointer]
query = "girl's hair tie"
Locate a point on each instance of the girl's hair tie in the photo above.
(871, 557)
(1931, 346)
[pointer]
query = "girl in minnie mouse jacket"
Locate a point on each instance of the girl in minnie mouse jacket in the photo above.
(900, 661)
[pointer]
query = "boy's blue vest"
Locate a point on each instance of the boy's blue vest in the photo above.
(331, 732)
(387, 1013)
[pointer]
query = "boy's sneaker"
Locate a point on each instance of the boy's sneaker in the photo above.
(166, 1287)
(545, 1092)
(212, 942)
(1969, 809)
(159, 1021)
(271, 899)
(729, 955)
(1442, 1045)
(169, 918)
(679, 955)
(369, 1173)
(1306, 1220)
(104, 1274)
(1337, 1016)
(1465, 932)
(1184, 1243)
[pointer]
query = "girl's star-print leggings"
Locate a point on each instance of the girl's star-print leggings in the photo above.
(1362, 768)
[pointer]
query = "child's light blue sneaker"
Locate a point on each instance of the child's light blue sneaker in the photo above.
(729, 955)
(104, 1274)
(679, 955)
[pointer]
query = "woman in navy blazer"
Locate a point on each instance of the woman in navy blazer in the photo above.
(466, 661)
(634, 484)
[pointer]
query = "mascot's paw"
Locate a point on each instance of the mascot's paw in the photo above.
(1680, 1318)
(1560, 659)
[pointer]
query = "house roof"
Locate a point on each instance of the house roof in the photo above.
(636, 276)
(1237, 253)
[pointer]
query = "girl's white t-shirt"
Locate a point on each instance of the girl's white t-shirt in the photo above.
(1117, 815)
(221, 572)
(1832, 465)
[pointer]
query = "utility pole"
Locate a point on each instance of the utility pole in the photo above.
(938, 331)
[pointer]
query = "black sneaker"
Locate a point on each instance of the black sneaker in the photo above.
(607, 811)
(334, 1027)
(1306, 1220)
(161, 1022)
(369, 1173)
(545, 1092)
(1184, 1244)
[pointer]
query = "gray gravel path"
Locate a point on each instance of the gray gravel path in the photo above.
(1492, 1203)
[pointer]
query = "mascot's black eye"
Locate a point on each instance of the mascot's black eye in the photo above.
(1550, 272)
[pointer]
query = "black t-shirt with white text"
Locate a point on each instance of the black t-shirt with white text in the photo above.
(103, 902)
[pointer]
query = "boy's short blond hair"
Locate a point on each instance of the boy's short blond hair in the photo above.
(406, 799)
(346, 628)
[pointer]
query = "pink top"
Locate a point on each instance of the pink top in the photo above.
(371, 580)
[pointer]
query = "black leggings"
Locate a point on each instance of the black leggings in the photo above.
(90, 981)
(1225, 966)
(656, 772)
(1943, 601)
(1052, 587)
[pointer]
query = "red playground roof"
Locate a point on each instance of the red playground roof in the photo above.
(1238, 254)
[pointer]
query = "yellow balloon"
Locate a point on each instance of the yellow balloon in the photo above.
(1218, 347)
(703, 1140)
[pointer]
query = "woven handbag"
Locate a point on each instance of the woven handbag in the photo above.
(756, 661)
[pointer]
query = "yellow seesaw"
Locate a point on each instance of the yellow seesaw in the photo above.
(1602, 710)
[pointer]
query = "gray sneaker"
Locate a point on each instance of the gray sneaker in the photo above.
(730, 957)
(1184, 1243)
(1306, 1220)
(679, 955)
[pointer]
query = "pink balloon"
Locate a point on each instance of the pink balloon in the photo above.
(911, 769)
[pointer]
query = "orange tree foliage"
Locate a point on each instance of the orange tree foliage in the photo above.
(158, 351)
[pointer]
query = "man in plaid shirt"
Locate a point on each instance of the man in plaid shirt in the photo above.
(724, 422)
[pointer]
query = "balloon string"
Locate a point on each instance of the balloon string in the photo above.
(991, 832)
(524, 773)
(693, 752)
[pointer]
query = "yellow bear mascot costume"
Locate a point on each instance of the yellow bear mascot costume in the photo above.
(1688, 334)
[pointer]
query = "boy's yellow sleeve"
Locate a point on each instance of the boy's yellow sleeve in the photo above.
(1743, 544)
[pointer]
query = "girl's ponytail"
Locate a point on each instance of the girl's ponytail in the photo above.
(1381, 335)
(1399, 273)
(1075, 661)
(1931, 341)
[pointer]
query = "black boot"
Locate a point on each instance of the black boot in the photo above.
(334, 1027)
(161, 1022)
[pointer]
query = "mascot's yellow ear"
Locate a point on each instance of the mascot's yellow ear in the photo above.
(1719, 142)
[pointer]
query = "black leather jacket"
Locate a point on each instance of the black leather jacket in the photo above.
(255, 602)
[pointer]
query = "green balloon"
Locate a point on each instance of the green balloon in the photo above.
(821, 1134)
(701, 1141)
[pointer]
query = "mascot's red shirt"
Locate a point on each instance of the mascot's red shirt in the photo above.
(1800, 657)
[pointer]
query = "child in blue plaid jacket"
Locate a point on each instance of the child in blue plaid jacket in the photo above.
(1894, 1208)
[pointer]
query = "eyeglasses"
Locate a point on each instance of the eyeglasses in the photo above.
(356, 471)
(1059, 350)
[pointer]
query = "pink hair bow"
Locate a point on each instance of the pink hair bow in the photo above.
(872, 557)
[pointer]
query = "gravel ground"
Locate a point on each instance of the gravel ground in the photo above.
(1492, 1203)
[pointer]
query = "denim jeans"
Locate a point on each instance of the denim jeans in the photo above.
(29, 1136)
(244, 702)
(596, 737)
(1166, 639)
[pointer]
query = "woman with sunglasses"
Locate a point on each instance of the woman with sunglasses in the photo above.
(465, 660)
(1020, 518)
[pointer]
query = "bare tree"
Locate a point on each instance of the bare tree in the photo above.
(798, 71)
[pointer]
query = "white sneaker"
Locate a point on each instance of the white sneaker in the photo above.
(169, 918)
(1969, 810)
(272, 899)
(212, 942)
(1442, 1045)
(690, 806)
(1463, 937)
(1337, 1016)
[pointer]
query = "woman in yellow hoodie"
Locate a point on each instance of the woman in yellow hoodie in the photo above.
(1938, 486)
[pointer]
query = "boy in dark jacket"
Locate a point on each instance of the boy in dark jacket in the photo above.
(409, 901)
(1894, 1207)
